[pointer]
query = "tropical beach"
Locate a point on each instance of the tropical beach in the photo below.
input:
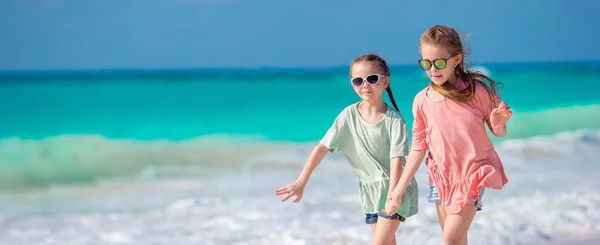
(174, 122)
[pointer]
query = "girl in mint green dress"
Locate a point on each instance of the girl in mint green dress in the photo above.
(373, 138)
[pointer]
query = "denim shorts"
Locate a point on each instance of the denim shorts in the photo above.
(434, 197)
(372, 218)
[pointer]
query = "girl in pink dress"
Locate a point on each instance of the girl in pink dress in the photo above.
(450, 115)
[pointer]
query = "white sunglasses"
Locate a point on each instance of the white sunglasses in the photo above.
(372, 79)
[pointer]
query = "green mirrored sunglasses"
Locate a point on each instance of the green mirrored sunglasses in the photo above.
(440, 64)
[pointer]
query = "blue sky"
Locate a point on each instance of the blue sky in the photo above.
(86, 34)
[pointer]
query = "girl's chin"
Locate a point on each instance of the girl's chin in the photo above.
(438, 81)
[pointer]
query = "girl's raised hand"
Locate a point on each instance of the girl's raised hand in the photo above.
(293, 189)
(500, 115)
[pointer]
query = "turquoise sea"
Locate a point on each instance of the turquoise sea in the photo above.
(166, 156)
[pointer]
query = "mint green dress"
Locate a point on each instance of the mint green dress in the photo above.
(369, 149)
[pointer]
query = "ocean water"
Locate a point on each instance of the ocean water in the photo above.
(194, 157)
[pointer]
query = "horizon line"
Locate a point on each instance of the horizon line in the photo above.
(25, 73)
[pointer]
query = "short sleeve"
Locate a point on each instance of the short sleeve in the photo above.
(398, 138)
(333, 139)
(419, 134)
(486, 101)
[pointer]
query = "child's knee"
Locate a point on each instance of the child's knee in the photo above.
(453, 240)
(445, 242)
(393, 242)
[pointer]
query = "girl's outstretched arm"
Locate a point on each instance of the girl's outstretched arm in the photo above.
(316, 156)
(415, 157)
(296, 188)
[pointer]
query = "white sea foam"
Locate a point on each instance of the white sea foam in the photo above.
(481, 69)
(553, 192)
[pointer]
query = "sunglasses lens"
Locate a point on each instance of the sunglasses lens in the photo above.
(425, 64)
(440, 64)
(357, 81)
(373, 79)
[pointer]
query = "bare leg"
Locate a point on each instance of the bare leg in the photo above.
(441, 211)
(464, 240)
(456, 226)
(385, 231)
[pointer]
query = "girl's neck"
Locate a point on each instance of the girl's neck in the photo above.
(372, 107)
(452, 80)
